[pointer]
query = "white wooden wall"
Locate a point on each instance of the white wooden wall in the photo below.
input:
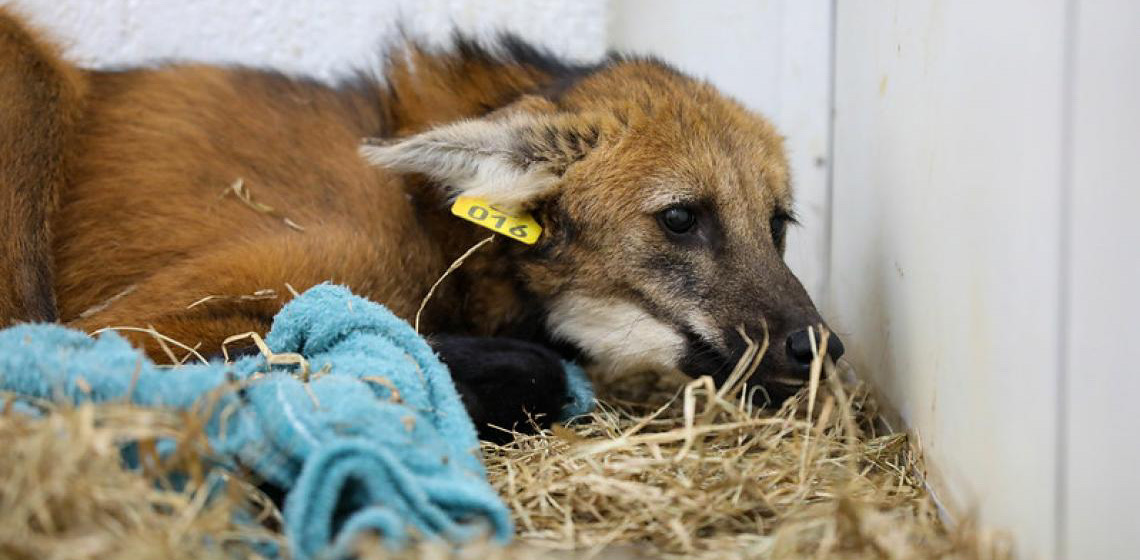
(1100, 378)
(984, 251)
(316, 37)
(970, 213)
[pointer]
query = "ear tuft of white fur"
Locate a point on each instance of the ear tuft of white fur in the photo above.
(481, 158)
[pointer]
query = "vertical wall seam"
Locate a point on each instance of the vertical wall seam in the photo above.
(829, 181)
(1064, 276)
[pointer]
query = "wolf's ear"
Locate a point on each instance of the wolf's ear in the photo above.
(512, 159)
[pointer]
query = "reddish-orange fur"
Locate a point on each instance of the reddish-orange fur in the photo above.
(141, 162)
(147, 206)
(40, 100)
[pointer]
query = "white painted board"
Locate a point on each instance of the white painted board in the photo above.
(946, 237)
(1102, 386)
(312, 37)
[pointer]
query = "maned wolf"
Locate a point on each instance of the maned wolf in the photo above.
(131, 195)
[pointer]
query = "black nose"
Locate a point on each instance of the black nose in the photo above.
(800, 350)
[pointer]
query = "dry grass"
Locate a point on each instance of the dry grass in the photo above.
(658, 470)
(705, 477)
(64, 493)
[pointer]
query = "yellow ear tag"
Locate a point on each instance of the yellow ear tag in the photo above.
(520, 227)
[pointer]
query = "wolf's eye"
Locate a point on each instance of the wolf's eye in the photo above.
(779, 226)
(677, 219)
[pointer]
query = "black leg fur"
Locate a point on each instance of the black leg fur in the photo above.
(504, 382)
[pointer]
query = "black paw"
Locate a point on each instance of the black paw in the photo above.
(504, 383)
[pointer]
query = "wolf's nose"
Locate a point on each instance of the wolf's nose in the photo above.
(800, 350)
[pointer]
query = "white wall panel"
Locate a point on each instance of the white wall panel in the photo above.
(314, 37)
(772, 55)
(946, 238)
(1102, 375)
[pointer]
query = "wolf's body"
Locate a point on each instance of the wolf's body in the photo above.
(124, 194)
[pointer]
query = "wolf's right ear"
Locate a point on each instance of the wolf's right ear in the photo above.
(512, 160)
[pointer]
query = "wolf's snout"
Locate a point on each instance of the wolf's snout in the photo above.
(800, 352)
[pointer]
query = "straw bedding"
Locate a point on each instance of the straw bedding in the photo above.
(662, 468)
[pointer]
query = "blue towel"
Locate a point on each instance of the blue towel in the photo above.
(352, 454)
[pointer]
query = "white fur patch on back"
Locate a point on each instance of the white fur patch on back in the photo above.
(619, 335)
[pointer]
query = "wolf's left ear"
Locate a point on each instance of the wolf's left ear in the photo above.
(511, 159)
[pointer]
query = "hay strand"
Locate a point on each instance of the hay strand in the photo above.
(454, 266)
(241, 191)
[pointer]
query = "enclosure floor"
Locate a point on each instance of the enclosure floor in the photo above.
(660, 469)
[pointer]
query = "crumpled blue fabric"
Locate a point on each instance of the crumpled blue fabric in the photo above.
(376, 440)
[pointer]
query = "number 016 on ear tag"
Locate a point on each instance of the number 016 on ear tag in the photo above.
(520, 227)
